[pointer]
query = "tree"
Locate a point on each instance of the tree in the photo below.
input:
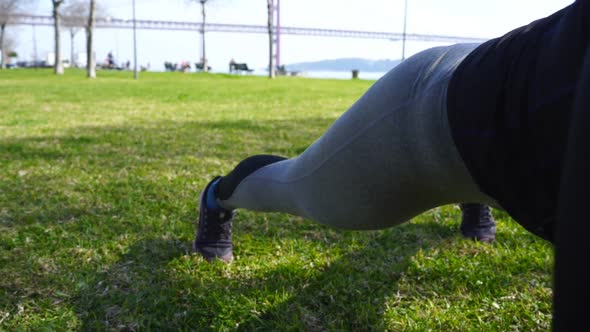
(8, 8)
(76, 15)
(271, 67)
(90, 60)
(9, 48)
(58, 67)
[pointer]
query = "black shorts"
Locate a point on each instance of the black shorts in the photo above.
(509, 106)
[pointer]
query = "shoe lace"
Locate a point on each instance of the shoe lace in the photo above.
(476, 214)
(219, 225)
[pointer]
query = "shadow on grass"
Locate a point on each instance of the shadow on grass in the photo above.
(109, 181)
(156, 286)
(131, 293)
(349, 293)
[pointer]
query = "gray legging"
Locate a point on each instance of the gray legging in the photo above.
(387, 159)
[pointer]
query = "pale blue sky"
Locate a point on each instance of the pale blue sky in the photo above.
(473, 18)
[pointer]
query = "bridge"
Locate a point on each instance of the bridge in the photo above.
(116, 23)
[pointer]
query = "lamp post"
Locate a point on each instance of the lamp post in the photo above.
(135, 72)
(278, 34)
(204, 58)
(35, 46)
(404, 31)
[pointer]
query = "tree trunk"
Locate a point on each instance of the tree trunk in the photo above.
(204, 60)
(135, 71)
(72, 50)
(3, 55)
(58, 66)
(90, 60)
(271, 67)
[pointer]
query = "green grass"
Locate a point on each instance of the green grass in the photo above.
(99, 182)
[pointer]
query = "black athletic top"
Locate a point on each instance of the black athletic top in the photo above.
(509, 105)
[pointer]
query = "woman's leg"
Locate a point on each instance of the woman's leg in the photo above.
(389, 158)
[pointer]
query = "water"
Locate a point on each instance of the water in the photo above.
(340, 75)
(343, 75)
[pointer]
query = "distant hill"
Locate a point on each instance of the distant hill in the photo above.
(345, 64)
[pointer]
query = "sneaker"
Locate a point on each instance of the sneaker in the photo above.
(477, 222)
(213, 239)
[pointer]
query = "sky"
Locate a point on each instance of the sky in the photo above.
(466, 18)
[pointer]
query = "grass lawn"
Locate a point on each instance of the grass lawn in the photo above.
(99, 181)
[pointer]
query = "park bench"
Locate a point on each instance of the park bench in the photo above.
(239, 68)
(199, 66)
(169, 66)
(282, 71)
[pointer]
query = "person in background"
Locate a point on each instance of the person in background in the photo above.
(504, 124)
(485, 124)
